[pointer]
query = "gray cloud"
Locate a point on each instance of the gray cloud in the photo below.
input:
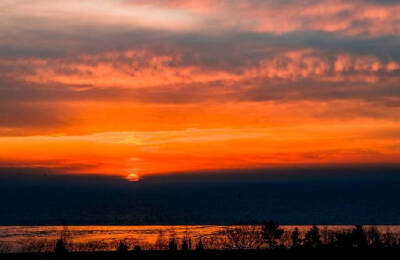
(274, 90)
(229, 49)
(225, 49)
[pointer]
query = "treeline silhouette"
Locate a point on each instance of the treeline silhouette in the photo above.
(269, 236)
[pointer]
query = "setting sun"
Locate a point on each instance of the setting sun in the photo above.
(133, 177)
(207, 126)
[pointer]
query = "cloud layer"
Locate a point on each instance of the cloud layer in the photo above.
(226, 70)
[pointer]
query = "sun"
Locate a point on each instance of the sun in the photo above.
(133, 177)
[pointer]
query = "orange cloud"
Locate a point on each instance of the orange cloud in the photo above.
(139, 69)
(141, 87)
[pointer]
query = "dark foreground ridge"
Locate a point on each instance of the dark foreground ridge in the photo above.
(321, 253)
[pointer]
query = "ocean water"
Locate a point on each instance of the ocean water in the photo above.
(298, 199)
(92, 238)
(34, 206)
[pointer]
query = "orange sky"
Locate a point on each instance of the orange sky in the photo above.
(143, 87)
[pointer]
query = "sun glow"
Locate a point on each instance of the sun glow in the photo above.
(138, 87)
(133, 177)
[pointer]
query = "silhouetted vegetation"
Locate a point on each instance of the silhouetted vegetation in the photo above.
(185, 245)
(60, 248)
(172, 246)
(199, 245)
(296, 241)
(269, 237)
(4, 247)
(122, 247)
(243, 237)
(312, 238)
(137, 249)
(271, 233)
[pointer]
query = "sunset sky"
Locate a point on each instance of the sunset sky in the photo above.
(139, 87)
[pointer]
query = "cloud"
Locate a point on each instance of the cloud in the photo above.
(142, 76)
(292, 70)
(357, 17)
(69, 28)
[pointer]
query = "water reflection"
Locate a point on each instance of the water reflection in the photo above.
(93, 238)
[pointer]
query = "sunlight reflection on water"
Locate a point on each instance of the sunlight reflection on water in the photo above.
(17, 235)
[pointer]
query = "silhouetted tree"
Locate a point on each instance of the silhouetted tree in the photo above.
(374, 237)
(137, 249)
(190, 243)
(161, 242)
(312, 238)
(343, 240)
(327, 236)
(60, 248)
(172, 246)
(184, 245)
(271, 233)
(389, 239)
(359, 237)
(243, 237)
(122, 247)
(354, 238)
(296, 241)
(199, 245)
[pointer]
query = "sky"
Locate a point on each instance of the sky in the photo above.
(133, 88)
